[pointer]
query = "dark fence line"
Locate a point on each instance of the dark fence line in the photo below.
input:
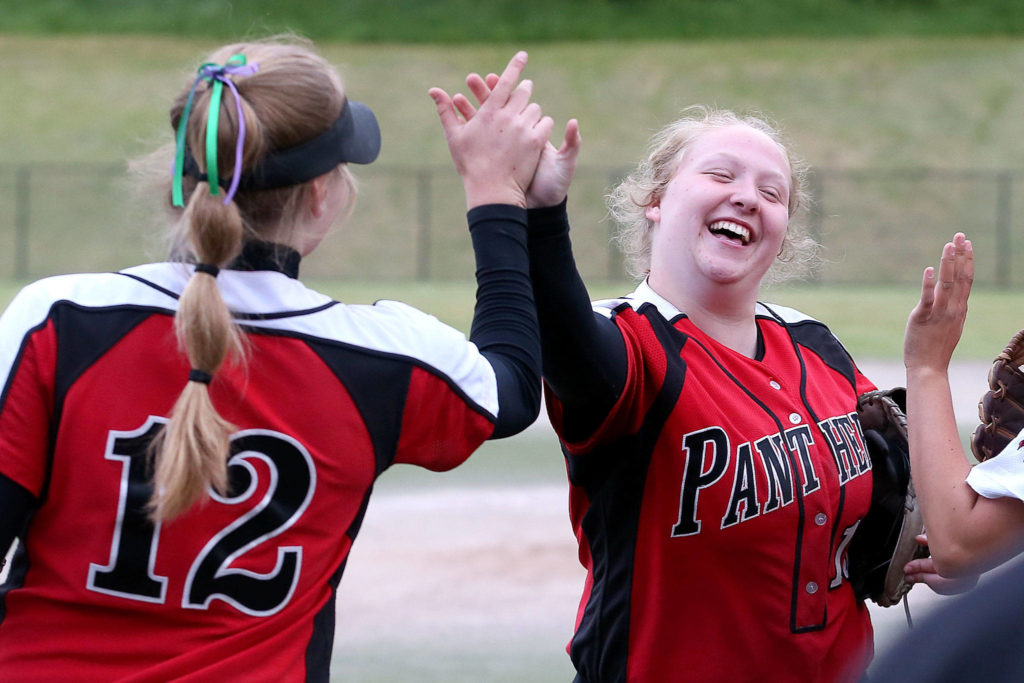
(876, 225)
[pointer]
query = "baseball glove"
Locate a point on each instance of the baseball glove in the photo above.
(1001, 408)
(885, 539)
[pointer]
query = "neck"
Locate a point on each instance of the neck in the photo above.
(726, 314)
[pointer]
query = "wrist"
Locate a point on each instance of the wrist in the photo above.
(544, 202)
(923, 373)
(491, 194)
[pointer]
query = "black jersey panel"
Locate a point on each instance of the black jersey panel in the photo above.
(614, 476)
(84, 335)
(16, 505)
(378, 385)
(817, 338)
(321, 643)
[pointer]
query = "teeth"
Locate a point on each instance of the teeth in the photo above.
(730, 229)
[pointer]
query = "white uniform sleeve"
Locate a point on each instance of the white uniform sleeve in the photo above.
(1003, 475)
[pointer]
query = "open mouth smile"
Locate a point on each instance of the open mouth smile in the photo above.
(730, 230)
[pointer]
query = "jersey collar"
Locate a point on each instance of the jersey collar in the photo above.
(645, 294)
(259, 255)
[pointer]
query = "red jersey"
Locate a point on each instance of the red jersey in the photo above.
(714, 504)
(241, 587)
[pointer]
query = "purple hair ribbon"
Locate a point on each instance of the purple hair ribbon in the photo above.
(217, 75)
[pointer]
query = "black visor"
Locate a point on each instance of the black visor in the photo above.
(354, 137)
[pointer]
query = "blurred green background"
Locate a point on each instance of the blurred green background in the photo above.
(909, 112)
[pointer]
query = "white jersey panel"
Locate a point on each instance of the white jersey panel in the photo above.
(644, 294)
(270, 300)
(31, 306)
(1003, 475)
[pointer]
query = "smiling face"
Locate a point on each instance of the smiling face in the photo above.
(722, 218)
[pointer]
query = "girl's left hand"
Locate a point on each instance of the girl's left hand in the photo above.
(935, 324)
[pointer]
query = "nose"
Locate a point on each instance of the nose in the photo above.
(744, 197)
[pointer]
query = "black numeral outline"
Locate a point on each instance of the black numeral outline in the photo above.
(210, 579)
(129, 549)
(129, 572)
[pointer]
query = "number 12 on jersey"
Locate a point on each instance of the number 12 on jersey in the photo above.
(130, 571)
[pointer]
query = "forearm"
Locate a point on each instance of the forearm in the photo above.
(504, 324)
(584, 356)
(955, 515)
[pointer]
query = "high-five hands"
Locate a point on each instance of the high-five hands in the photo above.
(556, 167)
(496, 147)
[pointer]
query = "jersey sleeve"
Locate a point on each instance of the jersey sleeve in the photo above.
(451, 402)
(505, 318)
(28, 357)
(585, 369)
(1003, 475)
(640, 385)
(864, 384)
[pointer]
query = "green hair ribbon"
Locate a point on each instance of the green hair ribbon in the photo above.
(217, 75)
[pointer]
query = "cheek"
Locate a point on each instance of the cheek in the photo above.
(777, 222)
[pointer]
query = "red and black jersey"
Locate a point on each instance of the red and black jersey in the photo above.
(714, 503)
(328, 397)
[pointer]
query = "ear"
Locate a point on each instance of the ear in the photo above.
(317, 197)
(653, 212)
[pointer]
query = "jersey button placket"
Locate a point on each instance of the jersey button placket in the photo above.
(815, 565)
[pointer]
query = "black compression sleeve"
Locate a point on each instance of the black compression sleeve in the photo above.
(16, 504)
(505, 319)
(584, 356)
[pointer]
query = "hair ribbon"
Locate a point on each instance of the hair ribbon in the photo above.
(218, 76)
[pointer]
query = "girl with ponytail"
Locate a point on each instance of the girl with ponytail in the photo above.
(187, 448)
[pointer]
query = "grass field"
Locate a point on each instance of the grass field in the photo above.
(915, 137)
(898, 102)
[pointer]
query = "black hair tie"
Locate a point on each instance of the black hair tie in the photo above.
(207, 268)
(200, 376)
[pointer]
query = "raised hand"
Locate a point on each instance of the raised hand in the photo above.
(935, 324)
(496, 148)
(556, 167)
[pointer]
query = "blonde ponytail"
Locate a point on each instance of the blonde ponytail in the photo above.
(194, 449)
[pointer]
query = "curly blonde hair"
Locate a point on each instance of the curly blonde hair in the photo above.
(628, 202)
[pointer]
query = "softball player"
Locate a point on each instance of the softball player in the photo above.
(717, 468)
(185, 508)
(716, 464)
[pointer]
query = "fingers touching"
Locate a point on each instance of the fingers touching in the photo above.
(497, 143)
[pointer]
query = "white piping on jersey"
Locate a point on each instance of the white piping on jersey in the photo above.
(388, 327)
(644, 294)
